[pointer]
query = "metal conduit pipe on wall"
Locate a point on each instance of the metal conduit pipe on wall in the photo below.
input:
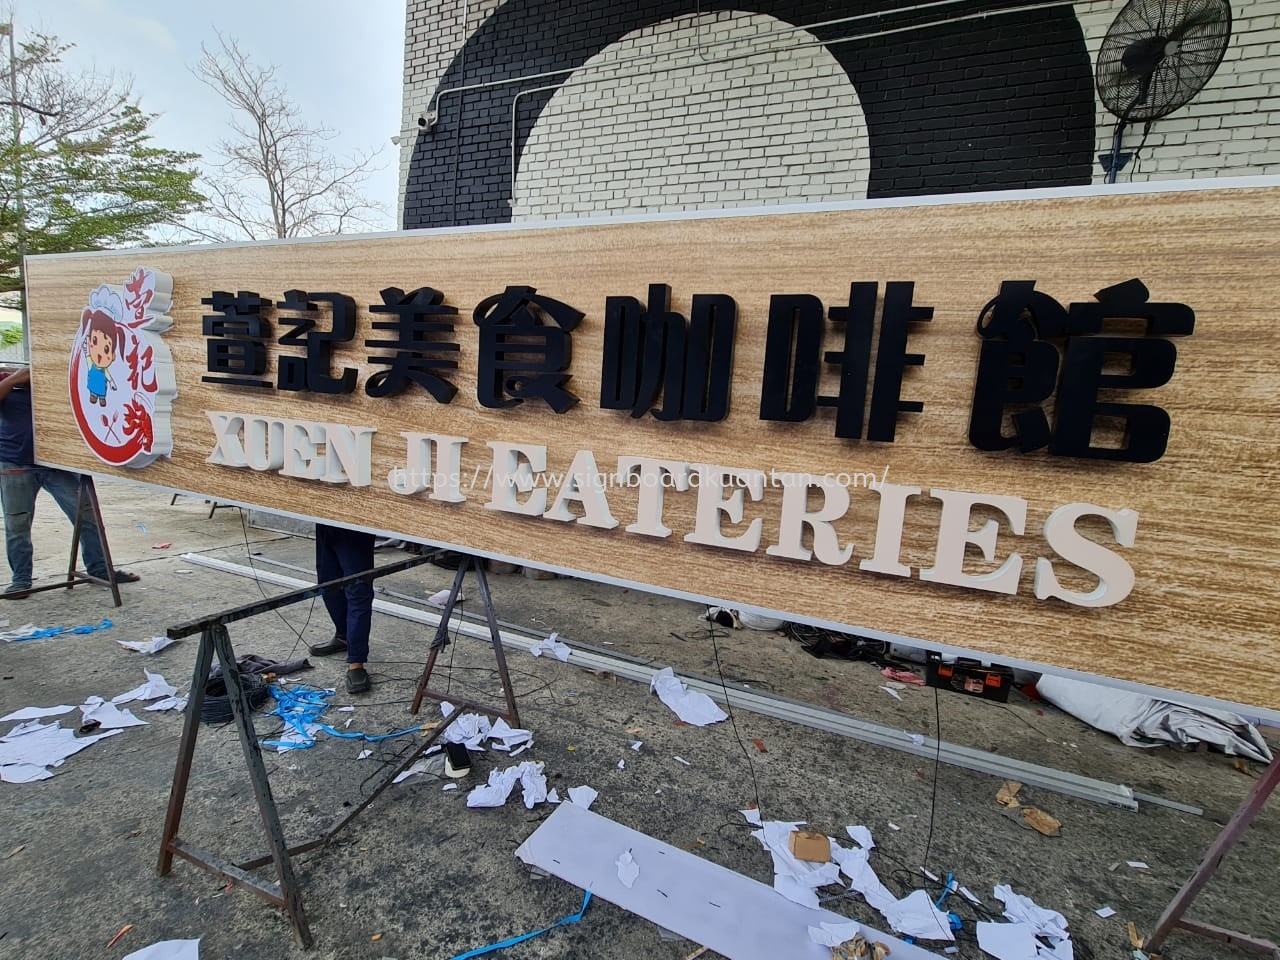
(433, 105)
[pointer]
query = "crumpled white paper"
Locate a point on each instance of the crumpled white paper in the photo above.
(154, 645)
(501, 782)
(155, 688)
(552, 646)
(691, 706)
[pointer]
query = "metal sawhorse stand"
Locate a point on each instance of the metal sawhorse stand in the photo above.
(1172, 918)
(214, 640)
(441, 641)
(86, 502)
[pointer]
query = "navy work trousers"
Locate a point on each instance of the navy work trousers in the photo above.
(339, 553)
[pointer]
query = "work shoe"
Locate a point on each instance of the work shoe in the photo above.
(124, 576)
(329, 647)
(357, 680)
(16, 591)
(457, 760)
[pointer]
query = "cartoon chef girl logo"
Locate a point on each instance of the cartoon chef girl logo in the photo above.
(121, 372)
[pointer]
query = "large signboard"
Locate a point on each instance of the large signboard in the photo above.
(1042, 428)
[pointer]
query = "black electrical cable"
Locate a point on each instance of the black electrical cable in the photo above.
(715, 647)
(937, 766)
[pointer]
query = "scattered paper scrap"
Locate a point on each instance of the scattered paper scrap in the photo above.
(1007, 795)
(795, 879)
(107, 715)
(1007, 941)
(1040, 821)
(36, 713)
(682, 760)
(861, 836)
(552, 646)
(628, 869)
(154, 645)
(27, 752)
(501, 782)
(1137, 865)
(583, 796)
(364, 755)
(155, 688)
(892, 692)
(169, 703)
(834, 934)
(162, 546)
(441, 597)
(636, 744)
(1020, 909)
(505, 737)
(413, 771)
(752, 815)
(168, 950)
(691, 706)
(448, 786)
(1105, 912)
(893, 826)
(622, 764)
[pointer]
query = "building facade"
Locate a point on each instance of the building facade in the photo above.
(532, 109)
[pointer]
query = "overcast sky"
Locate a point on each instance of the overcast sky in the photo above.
(340, 60)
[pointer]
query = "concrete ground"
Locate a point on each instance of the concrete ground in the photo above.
(419, 875)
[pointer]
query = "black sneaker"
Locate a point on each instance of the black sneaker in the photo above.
(457, 760)
(329, 647)
(357, 680)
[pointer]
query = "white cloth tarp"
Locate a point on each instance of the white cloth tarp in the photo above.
(1142, 721)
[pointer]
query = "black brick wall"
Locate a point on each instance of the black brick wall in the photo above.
(994, 103)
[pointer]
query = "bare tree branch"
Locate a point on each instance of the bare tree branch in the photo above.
(276, 178)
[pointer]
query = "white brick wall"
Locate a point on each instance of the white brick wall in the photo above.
(696, 113)
(1231, 128)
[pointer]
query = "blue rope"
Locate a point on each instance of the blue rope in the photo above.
(58, 631)
(299, 707)
(572, 918)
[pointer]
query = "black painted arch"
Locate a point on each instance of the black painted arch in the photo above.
(988, 103)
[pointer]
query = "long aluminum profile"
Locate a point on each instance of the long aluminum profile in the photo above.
(771, 705)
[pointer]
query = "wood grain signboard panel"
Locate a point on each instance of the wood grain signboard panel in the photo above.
(1200, 618)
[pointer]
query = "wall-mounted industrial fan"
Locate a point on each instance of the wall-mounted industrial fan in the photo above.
(1157, 55)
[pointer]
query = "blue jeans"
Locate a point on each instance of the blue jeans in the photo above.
(18, 488)
(339, 553)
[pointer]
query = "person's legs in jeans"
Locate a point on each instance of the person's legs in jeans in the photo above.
(64, 487)
(329, 567)
(355, 554)
(18, 489)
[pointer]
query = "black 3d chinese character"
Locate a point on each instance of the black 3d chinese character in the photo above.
(314, 372)
(794, 356)
(521, 357)
(647, 351)
(419, 316)
(238, 335)
(1019, 368)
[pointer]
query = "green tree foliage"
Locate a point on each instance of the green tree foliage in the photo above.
(90, 177)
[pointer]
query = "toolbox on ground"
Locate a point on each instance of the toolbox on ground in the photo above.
(969, 677)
